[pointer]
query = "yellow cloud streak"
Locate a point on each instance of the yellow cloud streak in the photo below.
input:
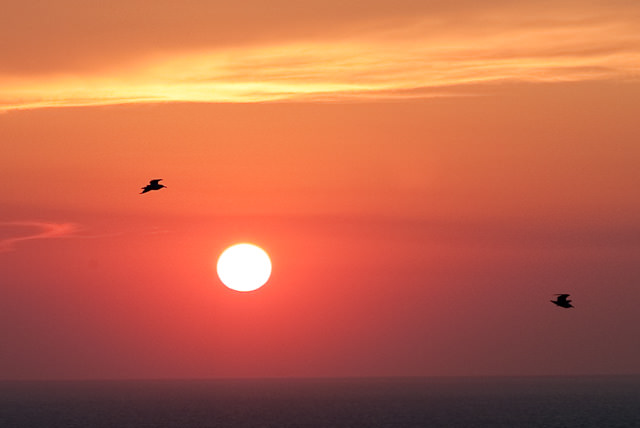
(383, 65)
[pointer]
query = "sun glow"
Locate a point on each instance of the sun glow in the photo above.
(244, 267)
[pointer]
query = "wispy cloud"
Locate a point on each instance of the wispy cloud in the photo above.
(35, 230)
(399, 57)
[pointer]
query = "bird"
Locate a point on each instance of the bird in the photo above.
(562, 301)
(153, 185)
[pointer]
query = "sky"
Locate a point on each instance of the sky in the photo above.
(424, 175)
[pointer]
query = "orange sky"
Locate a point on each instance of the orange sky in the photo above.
(425, 176)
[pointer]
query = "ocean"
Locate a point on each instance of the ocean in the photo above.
(563, 402)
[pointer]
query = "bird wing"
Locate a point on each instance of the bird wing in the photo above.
(562, 297)
(155, 182)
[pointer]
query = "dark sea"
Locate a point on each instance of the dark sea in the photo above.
(598, 402)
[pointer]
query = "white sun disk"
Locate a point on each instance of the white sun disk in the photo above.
(244, 267)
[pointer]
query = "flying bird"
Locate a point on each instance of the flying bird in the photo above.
(153, 185)
(562, 301)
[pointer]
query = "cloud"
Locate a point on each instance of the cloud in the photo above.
(43, 230)
(394, 55)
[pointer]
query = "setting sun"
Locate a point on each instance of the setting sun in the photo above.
(244, 267)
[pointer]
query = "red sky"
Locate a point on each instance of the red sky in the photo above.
(424, 175)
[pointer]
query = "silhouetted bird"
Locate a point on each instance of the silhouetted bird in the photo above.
(562, 301)
(153, 185)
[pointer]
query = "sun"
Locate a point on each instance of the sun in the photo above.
(244, 267)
